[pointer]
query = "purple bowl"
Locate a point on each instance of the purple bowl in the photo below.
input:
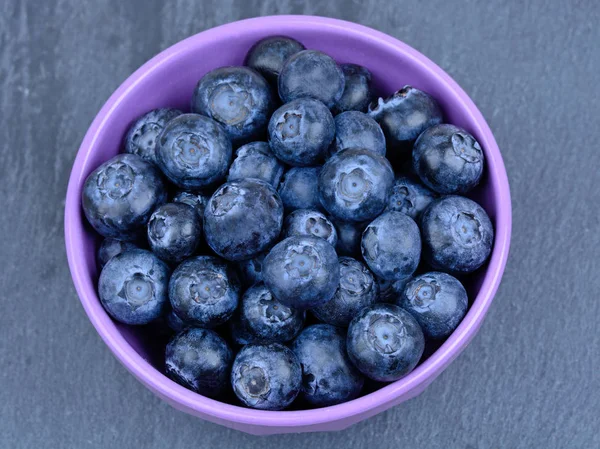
(168, 80)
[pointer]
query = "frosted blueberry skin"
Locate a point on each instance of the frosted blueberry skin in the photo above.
(301, 131)
(194, 152)
(133, 287)
(349, 237)
(120, 195)
(448, 159)
(354, 185)
(328, 376)
(309, 222)
(174, 231)
(311, 74)
(438, 301)
(357, 89)
(299, 188)
(302, 272)
(142, 137)
(199, 360)
(358, 289)
(256, 160)
(268, 55)
(457, 235)
(385, 342)
(390, 291)
(109, 248)
(410, 197)
(238, 98)
(403, 116)
(264, 319)
(391, 246)
(204, 291)
(196, 200)
(357, 130)
(266, 377)
(242, 219)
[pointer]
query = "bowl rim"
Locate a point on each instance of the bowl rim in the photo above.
(185, 399)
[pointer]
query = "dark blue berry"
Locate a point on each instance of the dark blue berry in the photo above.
(120, 195)
(328, 376)
(133, 287)
(174, 231)
(175, 323)
(194, 151)
(404, 116)
(266, 377)
(457, 235)
(309, 222)
(349, 237)
(302, 272)
(358, 289)
(391, 246)
(354, 129)
(109, 248)
(256, 160)
(390, 291)
(142, 137)
(448, 159)
(299, 188)
(238, 98)
(357, 91)
(437, 301)
(251, 270)
(311, 74)
(242, 219)
(301, 131)
(204, 291)
(268, 55)
(385, 342)
(199, 360)
(196, 200)
(354, 185)
(410, 197)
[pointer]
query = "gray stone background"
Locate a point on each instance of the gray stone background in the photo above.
(530, 379)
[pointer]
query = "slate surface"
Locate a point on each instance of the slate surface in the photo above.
(529, 379)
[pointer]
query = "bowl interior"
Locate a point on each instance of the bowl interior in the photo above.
(169, 79)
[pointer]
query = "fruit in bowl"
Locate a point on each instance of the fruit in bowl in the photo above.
(266, 229)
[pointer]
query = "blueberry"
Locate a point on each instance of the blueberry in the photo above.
(194, 151)
(256, 160)
(133, 287)
(437, 301)
(385, 342)
(354, 129)
(199, 360)
(311, 74)
(358, 289)
(391, 246)
(268, 55)
(238, 98)
(266, 377)
(142, 137)
(204, 291)
(448, 159)
(357, 91)
(299, 188)
(120, 195)
(196, 200)
(302, 272)
(309, 222)
(328, 376)
(457, 235)
(265, 319)
(242, 219)
(410, 197)
(175, 323)
(349, 237)
(301, 131)
(174, 231)
(354, 185)
(109, 248)
(251, 270)
(390, 291)
(404, 116)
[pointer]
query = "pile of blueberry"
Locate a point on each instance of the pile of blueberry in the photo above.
(321, 252)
